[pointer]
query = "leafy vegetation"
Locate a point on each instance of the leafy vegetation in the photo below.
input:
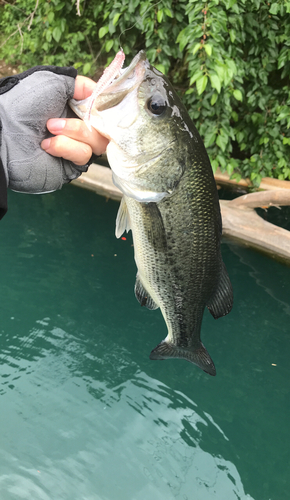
(228, 59)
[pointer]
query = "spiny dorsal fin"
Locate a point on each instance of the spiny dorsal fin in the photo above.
(198, 355)
(123, 219)
(221, 302)
(143, 296)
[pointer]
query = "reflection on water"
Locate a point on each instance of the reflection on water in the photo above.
(86, 415)
(74, 427)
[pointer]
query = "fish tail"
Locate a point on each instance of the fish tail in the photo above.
(197, 355)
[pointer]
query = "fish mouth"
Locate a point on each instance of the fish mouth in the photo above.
(129, 72)
(129, 79)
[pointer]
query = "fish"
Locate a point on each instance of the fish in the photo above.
(170, 203)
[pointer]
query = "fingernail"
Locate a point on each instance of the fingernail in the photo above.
(45, 144)
(56, 124)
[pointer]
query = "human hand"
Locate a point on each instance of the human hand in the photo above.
(73, 140)
(27, 102)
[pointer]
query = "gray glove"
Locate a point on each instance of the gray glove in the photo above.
(27, 101)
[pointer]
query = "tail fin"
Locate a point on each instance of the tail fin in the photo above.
(199, 356)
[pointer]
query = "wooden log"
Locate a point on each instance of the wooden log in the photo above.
(267, 183)
(240, 222)
(275, 198)
(247, 227)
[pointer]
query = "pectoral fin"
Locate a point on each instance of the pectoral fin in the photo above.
(143, 296)
(221, 302)
(123, 220)
(198, 355)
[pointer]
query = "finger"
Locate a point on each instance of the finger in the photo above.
(67, 148)
(78, 130)
(83, 87)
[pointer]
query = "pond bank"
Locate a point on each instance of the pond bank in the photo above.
(240, 220)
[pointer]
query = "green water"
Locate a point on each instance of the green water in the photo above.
(85, 415)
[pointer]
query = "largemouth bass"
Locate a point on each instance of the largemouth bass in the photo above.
(170, 203)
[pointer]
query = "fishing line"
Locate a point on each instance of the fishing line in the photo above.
(139, 18)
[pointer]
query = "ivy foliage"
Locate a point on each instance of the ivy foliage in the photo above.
(228, 59)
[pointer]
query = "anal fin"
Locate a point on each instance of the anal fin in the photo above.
(198, 355)
(143, 296)
(221, 302)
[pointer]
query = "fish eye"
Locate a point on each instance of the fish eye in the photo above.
(156, 105)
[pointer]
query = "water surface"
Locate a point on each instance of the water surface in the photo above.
(85, 415)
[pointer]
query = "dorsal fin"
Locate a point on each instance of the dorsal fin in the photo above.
(221, 302)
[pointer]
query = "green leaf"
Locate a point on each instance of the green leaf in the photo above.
(230, 3)
(215, 82)
(201, 84)
(116, 19)
(209, 138)
(221, 71)
(214, 99)
(230, 168)
(237, 177)
(235, 116)
(274, 9)
(232, 35)
(182, 39)
(195, 77)
(159, 16)
(240, 136)
(238, 95)
(168, 12)
(109, 45)
(57, 34)
(103, 31)
(284, 114)
(208, 49)
(214, 165)
(59, 6)
(50, 17)
(222, 141)
(222, 161)
(196, 48)
(48, 36)
(86, 68)
(161, 68)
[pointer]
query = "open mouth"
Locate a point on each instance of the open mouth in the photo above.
(113, 92)
(129, 78)
(129, 72)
